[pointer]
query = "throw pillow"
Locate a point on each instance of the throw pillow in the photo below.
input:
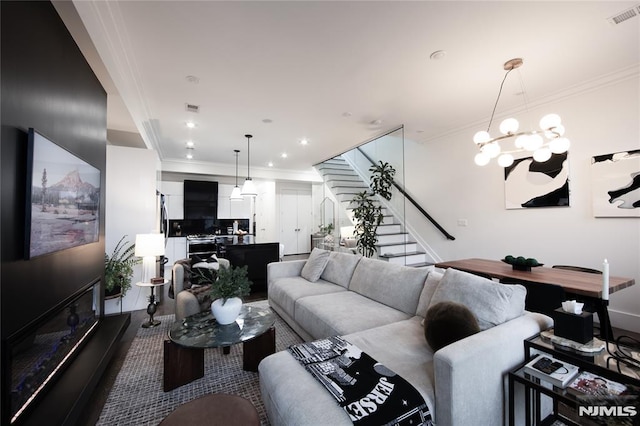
(315, 264)
(491, 302)
(448, 322)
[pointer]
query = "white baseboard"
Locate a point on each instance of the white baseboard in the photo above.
(625, 320)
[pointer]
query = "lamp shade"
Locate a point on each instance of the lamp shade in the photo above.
(149, 245)
(249, 188)
(236, 194)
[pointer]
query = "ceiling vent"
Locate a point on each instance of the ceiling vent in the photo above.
(192, 108)
(625, 15)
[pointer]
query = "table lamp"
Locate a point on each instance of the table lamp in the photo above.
(148, 246)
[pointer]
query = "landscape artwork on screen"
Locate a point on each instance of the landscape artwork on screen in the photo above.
(62, 199)
(529, 184)
(615, 183)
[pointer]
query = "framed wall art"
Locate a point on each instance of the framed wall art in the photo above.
(62, 200)
(615, 183)
(530, 184)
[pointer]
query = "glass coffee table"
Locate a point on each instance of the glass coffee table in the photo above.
(184, 351)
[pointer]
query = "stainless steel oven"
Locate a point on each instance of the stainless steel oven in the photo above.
(201, 245)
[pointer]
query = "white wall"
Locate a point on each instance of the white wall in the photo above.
(442, 176)
(130, 209)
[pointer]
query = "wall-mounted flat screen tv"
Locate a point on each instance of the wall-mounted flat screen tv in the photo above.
(63, 198)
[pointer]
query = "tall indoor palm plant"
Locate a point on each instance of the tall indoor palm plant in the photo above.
(118, 268)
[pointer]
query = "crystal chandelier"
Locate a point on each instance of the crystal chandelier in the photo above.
(542, 143)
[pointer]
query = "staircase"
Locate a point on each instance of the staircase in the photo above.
(394, 244)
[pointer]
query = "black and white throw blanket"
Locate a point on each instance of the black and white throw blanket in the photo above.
(368, 391)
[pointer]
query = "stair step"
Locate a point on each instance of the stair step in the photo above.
(403, 260)
(340, 167)
(409, 253)
(419, 265)
(399, 248)
(337, 176)
(393, 238)
(392, 228)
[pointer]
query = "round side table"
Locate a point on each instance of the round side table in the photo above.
(214, 409)
(151, 308)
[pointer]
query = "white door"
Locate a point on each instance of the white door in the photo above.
(295, 221)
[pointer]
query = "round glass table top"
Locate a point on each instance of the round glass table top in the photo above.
(203, 331)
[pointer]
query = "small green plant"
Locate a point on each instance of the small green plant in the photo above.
(382, 176)
(231, 282)
(118, 268)
(326, 230)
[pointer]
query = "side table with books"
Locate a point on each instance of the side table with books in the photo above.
(585, 384)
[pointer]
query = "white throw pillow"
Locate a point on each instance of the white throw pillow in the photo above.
(491, 302)
(315, 265)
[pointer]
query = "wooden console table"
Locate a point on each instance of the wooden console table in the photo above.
(575, 283)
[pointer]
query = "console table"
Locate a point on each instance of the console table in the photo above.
(582, 284)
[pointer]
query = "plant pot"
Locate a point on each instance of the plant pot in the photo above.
(227, 313)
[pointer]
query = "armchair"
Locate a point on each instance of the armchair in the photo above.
(189, 299)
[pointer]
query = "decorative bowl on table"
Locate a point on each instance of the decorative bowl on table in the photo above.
(520, 263)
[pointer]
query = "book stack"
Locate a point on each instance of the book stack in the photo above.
(551, 370)
(589, 384)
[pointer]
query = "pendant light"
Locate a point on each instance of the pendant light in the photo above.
(542, 143)
(249, 189)
(236, 193)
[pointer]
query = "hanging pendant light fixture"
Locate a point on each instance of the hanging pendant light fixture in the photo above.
(236, 193)
(249, 189)
(534, 141)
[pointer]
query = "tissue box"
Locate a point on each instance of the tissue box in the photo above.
(576, 327)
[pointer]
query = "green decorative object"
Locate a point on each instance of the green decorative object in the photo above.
(232, 282)
(118, 268)
(520, 263)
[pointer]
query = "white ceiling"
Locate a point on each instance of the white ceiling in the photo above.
(325, 70)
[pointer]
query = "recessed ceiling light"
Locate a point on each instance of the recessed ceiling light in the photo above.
(304, 141)
(189, 156)
(192, 79)
(419, 131)
(267, 120)
(376, 122)
(346, 114)
(437, 55)
(270, 164)
(190, 144)
(284, 155)
(191, 124)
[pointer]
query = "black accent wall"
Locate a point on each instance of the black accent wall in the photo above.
(46, 84)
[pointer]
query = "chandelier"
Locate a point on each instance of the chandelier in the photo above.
(542, 143)
(249, 189)
(235, 194)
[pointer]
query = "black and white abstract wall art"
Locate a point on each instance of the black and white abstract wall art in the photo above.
(615, 183)
(530, 184)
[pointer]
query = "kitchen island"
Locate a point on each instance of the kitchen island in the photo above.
(253, 254)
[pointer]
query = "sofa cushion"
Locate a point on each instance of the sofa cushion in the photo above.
(430, 285)
(394, 285)
(448, 322)
(491, 302)
(315, 264)
(342, 313)
(340, 267)
(285, 291)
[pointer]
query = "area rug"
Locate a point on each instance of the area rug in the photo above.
(137, 397)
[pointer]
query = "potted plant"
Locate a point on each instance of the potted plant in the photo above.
(382, 176)
(118, 268)
(368, 215)
(226, 292)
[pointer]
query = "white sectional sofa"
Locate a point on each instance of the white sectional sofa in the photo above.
(380, 307)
